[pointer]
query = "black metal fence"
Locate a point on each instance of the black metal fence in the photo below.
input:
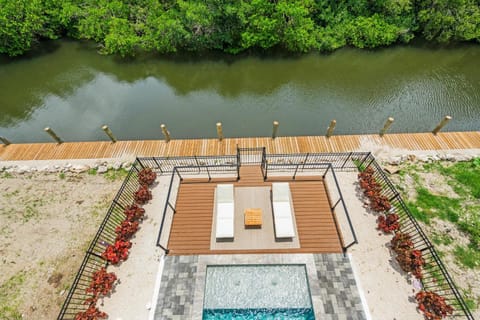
(435, 275)
(92, 262)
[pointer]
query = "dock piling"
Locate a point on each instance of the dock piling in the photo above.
(275, 129)
(441, 124)
(219, 131)
(109, 133)
(387, 125)
(333, 123)
(165, 132)
(53, 135)
(5, 141)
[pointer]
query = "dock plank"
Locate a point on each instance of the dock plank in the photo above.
(191, 147)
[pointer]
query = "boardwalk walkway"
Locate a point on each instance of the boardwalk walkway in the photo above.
(190, 147)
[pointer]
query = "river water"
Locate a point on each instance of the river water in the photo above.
(71, 88)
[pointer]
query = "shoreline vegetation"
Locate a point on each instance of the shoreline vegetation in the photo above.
(127, 28)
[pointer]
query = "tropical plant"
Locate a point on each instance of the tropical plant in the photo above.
(126, 230)
(117, 252)
(142, 195)
(134, 213)
(92, 313)
(411, 261)
(401, 242)
(388, 223)
(433, 305)
(102, 283)
(146, 177)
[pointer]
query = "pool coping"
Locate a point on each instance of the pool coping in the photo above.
(332, 283)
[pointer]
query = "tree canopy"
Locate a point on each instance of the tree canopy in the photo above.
(126, 27)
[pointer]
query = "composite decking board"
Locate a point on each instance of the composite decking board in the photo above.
(121, 149)
(192, 224)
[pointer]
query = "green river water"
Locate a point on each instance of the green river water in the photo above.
(71, 88)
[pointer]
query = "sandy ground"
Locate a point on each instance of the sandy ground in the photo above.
(465, 278)
(46, 225)
(132, 297)
(388, 292)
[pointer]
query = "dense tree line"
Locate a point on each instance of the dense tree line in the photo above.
(126, 27)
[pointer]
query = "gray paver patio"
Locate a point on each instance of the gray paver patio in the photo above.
(332, 283)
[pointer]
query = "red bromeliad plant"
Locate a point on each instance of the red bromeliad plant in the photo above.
(126, 230)
(372, 190)
(380, 203)
(117, 252)
(134, 213)
(92, 313)
(102, 283)
(411, 261)
(142, 195)
(146, 177)
(388, 223)
(401, 242)
(432, 305)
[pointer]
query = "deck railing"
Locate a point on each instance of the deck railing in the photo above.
(208, 171)
(436, 277)
(326, 173)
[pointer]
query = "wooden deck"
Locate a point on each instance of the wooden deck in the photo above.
(190, 147)
(192, 224)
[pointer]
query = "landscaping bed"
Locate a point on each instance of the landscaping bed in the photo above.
(444, 197)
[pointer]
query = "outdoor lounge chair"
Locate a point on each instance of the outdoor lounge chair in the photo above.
(225, 211)
(282, 212)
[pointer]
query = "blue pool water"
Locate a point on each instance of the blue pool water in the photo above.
(258, 314)
(257, 292)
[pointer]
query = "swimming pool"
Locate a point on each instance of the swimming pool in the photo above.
(245, 292)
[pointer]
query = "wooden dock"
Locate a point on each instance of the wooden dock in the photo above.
(190, 147)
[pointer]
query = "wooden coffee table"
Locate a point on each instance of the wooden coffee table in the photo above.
(253, 217)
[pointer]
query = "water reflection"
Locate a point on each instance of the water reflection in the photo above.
(75, 90)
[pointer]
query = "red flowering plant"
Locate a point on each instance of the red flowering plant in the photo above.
(134, 213)
(92, 313)
(117, 252)
(432, 305)
(411, 261)
(372, 190)
(126, 230)
(388, 223)
(401, 242)
(147, 177)
(142, 195)
(102, 283)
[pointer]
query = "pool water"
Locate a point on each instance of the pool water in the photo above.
(247, 292)
(258, 314)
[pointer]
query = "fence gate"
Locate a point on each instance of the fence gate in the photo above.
(251, 156)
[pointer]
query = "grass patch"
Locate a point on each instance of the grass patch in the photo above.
(92, 171)
(9, 292)
(467, 256)
(444, 239)
(61, 175)
(429, 205)
(466, 174)
(7, 175)
(113, 175)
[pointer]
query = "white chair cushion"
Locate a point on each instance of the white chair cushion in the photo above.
(224, 228)
(282, 210)
(224, 193)
(284, 228)
(280, 191)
